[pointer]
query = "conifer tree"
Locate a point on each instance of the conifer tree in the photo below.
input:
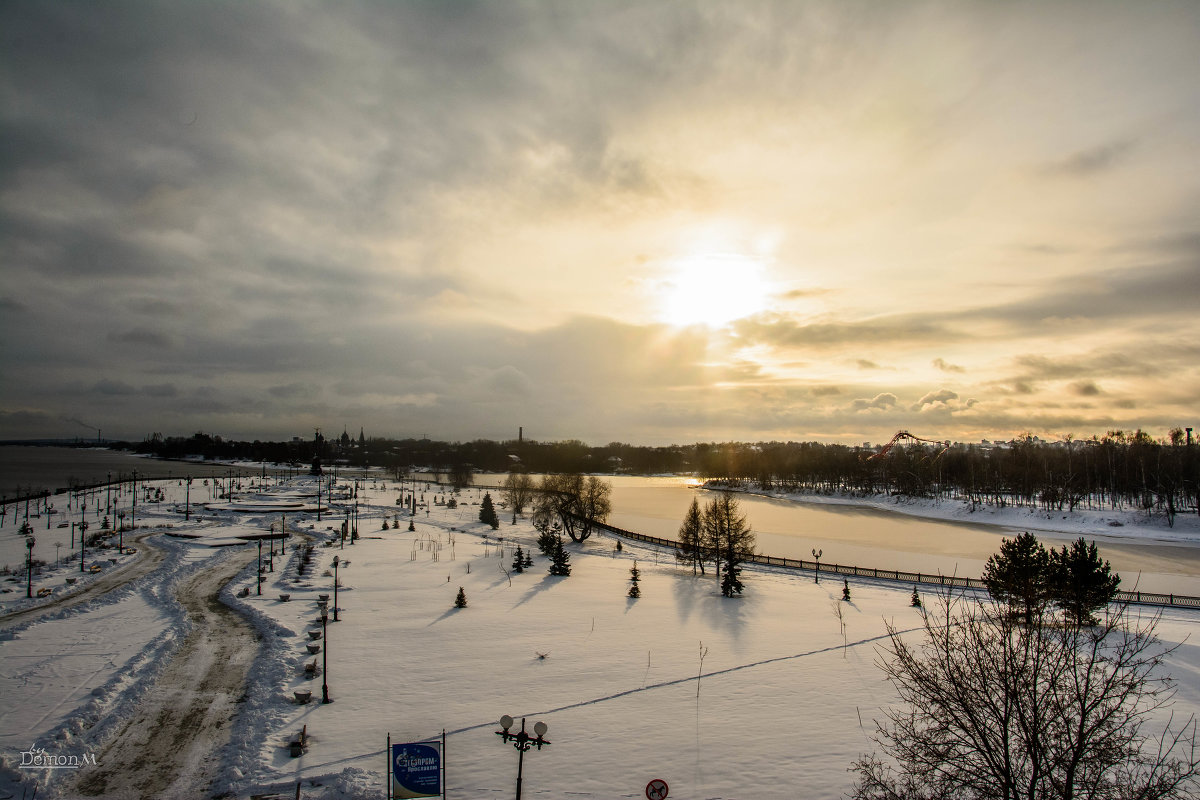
(845, 589)
(634, 577)
(547, 536)
(730, 539)
(1019, 575)
(1081, 582)
(691, 538)
(461, 600)
(528, 558)
(916, 599)
(560, 560)
(518, 564)
(487, 512)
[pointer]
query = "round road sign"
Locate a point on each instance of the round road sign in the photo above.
(656, 789)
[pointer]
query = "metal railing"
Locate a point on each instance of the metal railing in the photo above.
(898, 575)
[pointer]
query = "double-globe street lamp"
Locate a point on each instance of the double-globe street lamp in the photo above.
(336, 561)
(522, 741)
(817, 555)
(325, 655)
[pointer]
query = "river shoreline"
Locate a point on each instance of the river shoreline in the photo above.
(1123, 526)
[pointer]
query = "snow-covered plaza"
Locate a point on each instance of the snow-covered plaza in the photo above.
(770, 695)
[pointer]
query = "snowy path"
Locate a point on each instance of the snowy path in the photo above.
(149, 556)
(166, 749)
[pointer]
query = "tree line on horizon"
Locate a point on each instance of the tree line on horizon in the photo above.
(1119, 470)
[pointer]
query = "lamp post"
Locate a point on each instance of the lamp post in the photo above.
(133, 511)
(187, 503)
(325, 655)
(522, 741)
(336, 561)
(29, 542)
(817, 555)
(260, 575)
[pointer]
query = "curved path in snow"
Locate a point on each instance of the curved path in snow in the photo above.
(166, 750)
(149, 556)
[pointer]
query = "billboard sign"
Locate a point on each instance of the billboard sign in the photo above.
(417, 770)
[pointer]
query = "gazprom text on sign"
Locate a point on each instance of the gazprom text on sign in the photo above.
(417, 770)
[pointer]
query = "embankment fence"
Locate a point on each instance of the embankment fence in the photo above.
(897, 575)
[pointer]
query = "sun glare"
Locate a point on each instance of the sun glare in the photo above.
(712, 289)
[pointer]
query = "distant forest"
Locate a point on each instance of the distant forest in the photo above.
(1120, 470)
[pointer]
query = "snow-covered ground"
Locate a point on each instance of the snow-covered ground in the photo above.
(780, 705)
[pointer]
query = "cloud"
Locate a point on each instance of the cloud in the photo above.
(1085, 388)
(946, 367)
(397, 215)
(141, 336)
(508, 381)
(938, 399)
(883, 400)
(160, 390)
(1091, 161)
(290, 390)
(111, 387)
(781, 331)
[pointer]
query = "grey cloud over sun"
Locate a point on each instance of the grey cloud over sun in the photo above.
(259, 218)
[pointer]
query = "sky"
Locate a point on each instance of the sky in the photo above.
(646, 222)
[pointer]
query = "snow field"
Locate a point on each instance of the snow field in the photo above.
(785, 703)
(779, 706)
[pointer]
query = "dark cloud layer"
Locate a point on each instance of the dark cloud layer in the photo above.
(257, 218)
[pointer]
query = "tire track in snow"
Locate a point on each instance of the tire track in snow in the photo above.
(149, 556)
(167, 748)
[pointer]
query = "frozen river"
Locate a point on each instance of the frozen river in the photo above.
(864, 536)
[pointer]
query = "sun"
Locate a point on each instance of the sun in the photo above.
(711, 288)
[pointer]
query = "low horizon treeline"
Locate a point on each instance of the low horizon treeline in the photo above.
(1120, 470)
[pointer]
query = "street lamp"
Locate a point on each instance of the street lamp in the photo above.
(817, 555)
(29, 542)
(325, 655)
(260, 575)
(187, 503)
(336, 561)
(522, 741)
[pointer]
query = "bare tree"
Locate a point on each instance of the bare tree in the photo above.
(576, 501)
(992, 707)
(518, 491)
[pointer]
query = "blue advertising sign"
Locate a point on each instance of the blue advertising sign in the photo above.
(417, 769)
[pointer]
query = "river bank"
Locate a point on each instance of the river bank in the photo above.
(1123, 525)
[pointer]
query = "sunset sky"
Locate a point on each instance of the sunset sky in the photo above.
(650, 222)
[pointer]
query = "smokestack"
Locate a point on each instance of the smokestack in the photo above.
(521, 435)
